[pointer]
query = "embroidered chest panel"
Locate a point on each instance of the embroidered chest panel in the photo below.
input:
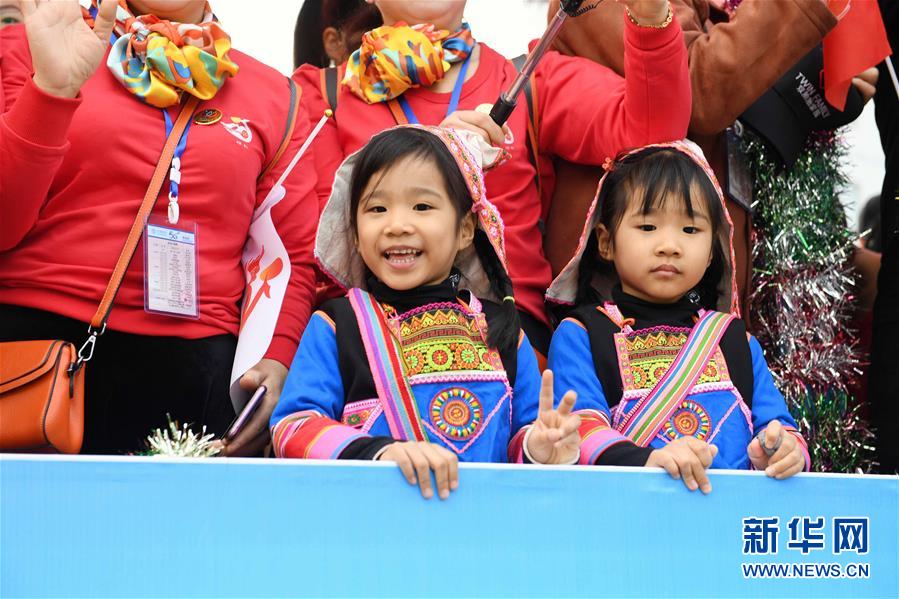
(443, 339)
(644, 357)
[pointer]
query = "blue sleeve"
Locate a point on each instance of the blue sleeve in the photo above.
(571, 360)
(767, 401)
(526, 393)
(313, 381)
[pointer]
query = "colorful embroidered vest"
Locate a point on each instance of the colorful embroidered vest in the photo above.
(461, 393)
(712, 408)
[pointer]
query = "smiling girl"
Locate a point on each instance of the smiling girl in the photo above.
(423, 362)
(665, 372)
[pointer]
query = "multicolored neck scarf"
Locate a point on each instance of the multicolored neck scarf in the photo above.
(394, 58)
(157, 60)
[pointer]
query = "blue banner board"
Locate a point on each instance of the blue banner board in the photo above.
(150, 527)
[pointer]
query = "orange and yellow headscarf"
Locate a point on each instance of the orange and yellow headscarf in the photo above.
(157, 60)
(394, 58)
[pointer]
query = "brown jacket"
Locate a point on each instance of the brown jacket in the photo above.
(732, 62)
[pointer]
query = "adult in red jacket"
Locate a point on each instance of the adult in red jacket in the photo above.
(78, 145)
(586, 113)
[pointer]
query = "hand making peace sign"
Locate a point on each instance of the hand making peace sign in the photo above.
(554, 437)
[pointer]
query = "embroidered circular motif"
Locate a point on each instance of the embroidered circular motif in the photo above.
(690, 420)
(439, 357)
(415, 360)
(456, 413)
(466, 356)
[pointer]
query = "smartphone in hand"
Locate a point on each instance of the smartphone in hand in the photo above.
(245, 414)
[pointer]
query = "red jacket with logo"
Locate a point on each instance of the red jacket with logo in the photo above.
(73, 173)
(585, 112)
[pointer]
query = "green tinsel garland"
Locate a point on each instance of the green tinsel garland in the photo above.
(803, 297)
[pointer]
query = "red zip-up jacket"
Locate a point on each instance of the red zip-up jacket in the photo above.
(73, 173)
(586, 113)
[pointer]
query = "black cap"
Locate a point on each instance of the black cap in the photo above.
(795, 106)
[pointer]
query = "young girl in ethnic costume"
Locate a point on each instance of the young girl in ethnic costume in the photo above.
(426, 66)
(665, 372)
(423, 362)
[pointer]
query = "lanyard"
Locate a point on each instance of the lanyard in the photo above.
(454, 98)
(175, 170)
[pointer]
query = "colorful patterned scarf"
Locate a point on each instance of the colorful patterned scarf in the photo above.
(156, 59)
(394, 58)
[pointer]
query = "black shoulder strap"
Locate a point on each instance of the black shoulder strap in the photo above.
(510, 359)
(601, 331)
(358, 383)
(518, 63)
(331, 87)
(533, 126)
(735, 347)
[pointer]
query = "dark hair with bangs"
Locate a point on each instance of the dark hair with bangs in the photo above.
(658, 175)
(389, 148)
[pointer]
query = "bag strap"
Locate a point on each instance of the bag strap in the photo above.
(397, 112)
(288, 128)
(385, 362)
(98, 322)
(530, 97)
(651, 412)
(329, 78)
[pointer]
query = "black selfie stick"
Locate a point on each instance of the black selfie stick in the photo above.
(508, 99)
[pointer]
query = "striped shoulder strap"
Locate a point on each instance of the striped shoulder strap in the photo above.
(386, 364)
(650, 414)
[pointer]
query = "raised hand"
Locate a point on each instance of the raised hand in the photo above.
(479, 122)
(786, 457)
(686, 458)
(554, 437)
(647, 12)
(65, 51)
(418, 458)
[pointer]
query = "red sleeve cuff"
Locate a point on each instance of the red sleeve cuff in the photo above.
(41, 118)
(650, 38)
(282, 349)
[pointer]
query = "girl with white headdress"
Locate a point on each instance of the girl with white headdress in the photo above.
(665, 372)
(423, 361)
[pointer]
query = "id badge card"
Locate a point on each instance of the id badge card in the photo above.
(171, 281)
(739, 181)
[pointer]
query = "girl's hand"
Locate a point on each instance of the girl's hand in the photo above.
(686, 458)
(647, 12)
(480, 123)
(418, 458)
(554, 437)
(255, 434)
(65, 51)
(787, 459)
